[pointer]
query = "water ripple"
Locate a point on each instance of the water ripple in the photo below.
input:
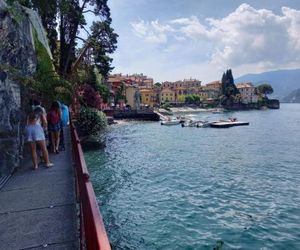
(174, 188)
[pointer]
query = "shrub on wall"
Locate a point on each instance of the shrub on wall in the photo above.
(91, 121)
(90, 97)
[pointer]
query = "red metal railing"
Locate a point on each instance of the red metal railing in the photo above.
(92, 230)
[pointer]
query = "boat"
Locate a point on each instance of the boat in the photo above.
(203, 124)
(231, 122)
(170, 122)
(198, 124)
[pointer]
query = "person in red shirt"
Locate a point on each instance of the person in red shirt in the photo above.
(54, 125)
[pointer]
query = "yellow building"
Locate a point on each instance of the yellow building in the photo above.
(167, 95)
(148, 97)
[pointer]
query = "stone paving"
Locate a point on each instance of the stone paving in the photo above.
(38, 209)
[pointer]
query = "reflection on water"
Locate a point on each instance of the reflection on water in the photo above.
(196, 188)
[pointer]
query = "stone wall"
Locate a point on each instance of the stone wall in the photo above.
(17, 58)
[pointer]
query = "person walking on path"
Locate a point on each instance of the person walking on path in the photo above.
(35, 136)
(54, 125)
(41, 120)
(36, 104)
(64, 122)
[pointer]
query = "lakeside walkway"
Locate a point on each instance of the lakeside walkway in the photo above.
(38, 209)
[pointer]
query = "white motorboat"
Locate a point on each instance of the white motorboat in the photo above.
(170, 122)
(231, 122)
(203, 124)
(198, 124)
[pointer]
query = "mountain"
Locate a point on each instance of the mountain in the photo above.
(282, 81)
(293, 97)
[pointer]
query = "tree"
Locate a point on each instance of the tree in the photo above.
(229, 90)
(101, 35)
(69, 15)
(104, 91)
(157, 84)
(265, 89)
(228, 86)
(103, 41)
(192, 99)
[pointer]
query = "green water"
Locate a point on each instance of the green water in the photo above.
(198, 188)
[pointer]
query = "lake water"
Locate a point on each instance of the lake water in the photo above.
(164, 187)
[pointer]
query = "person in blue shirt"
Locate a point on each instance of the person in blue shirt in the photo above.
(65, 114)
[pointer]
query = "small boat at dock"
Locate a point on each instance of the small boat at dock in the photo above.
(198, 124)
(170, 122)
(228, 123)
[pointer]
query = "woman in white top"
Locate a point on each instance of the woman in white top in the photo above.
(36, 136)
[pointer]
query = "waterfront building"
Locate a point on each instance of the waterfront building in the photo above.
(167, 95)
(130, 91)
(148, 97)
(181, 89)
(248, 93)
(115, 82)
(215, 85)
(139, 80)
(203, 95)
(212, 90)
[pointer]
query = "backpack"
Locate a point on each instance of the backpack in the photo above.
(53, 117)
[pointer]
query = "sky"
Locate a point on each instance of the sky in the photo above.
(171, 40)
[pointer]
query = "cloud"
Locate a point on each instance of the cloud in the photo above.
(253, 36)
(247, 36)
(190, 27)
(151, 32)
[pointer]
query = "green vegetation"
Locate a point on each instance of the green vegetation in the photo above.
(192, 99)
(15, 11)
(52, 79)
(94, 80)
(46, 82)
(70, 17)
(91, 121)
(230, 93)
(265, 89)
